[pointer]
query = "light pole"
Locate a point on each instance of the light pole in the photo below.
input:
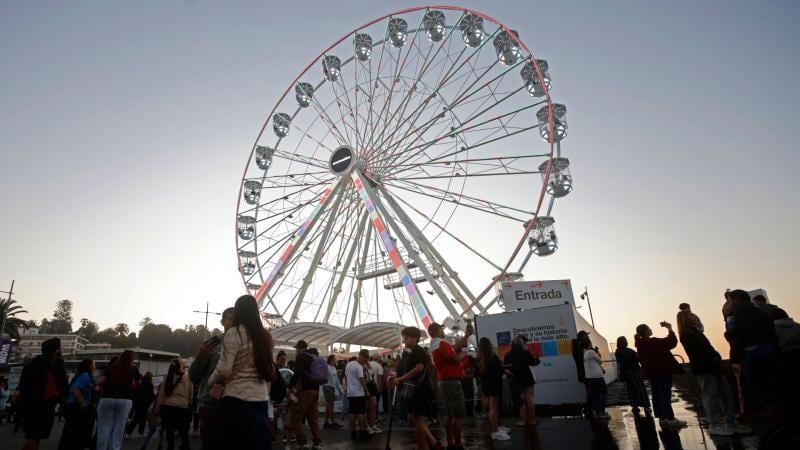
(10, 292)
(585, 296)
(207, 312)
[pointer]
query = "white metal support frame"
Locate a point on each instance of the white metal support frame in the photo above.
(318, 254)
(362, 227)
(297, 241)
(371, 201)
(440, 264)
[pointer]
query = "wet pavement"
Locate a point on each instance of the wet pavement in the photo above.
(623, 431)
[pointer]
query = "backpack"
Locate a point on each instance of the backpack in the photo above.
(277, 390)
(319, 371)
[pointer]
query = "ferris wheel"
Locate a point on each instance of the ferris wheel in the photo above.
(402, 173)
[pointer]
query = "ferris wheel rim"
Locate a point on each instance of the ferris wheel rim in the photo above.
(529, 56)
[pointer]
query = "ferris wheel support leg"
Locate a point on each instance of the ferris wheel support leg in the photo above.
(297, 241)
(338, 288)
(440, 264)
(326, 232)
(372, 204)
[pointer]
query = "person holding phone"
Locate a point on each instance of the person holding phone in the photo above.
(201, 369)
(659, 366)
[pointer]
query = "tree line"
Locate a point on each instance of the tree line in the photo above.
(184, 341)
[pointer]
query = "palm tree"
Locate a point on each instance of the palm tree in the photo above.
(122, 329)
(8, 311)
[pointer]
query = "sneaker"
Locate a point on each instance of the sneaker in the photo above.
(402, 423)
(738, 428)
(377, 429)
(720, 430)
(316, 447)
(336, 426)
(503, 429)
(680, 423)
(500, 436)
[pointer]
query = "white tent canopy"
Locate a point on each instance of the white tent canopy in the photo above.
(377, 334)
(316, 334)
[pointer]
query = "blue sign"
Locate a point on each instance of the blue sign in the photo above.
(5, 354)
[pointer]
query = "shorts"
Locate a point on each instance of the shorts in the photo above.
(329, 392)
(453, 398)
(419, 405)
(37, 421)
(357, 405)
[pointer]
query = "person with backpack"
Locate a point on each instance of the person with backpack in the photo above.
(143, 396)
(416, 389)
(310, 373)
(205, 361)
(172, 403)
(42, 385)
(116, 402)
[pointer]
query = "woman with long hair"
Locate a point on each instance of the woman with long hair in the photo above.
(490, 372)
(172, 403)
(77, 432)
(116, 403)
(242, 379)
(630, 373)
(659, 366)
(519, 361)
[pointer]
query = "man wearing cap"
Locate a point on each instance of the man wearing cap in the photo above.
(307, 395)
(449, 371)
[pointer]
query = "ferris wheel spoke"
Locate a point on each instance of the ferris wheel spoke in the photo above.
(440, 264)
(300, 236)
(361, 227)
(461, 128)
(462, 98)
(441, 83)
(395, 76)
(485, 206)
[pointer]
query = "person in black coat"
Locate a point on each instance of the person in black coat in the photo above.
(42, 385)
(143, 396)
(706, 365)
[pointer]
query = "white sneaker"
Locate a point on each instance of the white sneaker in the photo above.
(371, 430)
(377, 429)
(504, 429)
(500, 436)
(720, 430)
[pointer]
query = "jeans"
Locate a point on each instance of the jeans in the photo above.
(306, 408)
(717, 398)
(598, 394)
(112, 413)
(243, 424)
(150, 432)
(661, 389)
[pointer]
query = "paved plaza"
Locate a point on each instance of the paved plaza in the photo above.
(623, 431)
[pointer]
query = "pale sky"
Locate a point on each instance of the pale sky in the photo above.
(126, 126)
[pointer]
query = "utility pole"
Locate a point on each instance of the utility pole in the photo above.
(585, 296)
(207, 312)
(10, 292)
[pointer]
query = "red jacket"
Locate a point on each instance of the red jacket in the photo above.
(656, 358)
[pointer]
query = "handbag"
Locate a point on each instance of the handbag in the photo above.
(372, 386)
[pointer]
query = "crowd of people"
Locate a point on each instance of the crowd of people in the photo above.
(240, 395)
(764, 352)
